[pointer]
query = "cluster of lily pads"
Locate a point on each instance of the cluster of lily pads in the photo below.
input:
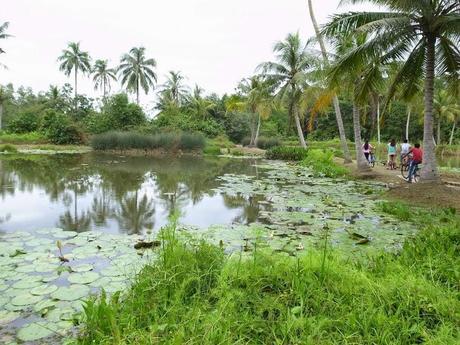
(43, 288)
(43, 285)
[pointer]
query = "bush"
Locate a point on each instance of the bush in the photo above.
(24, 138)
(212, 150)
(322, 163)
(24, 123)
(60, 129)
(8, 149)
(137, 141)
(286, 153)
(120, 114)
(262, 142)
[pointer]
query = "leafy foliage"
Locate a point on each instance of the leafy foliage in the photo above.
(322, 163)
(287, 153)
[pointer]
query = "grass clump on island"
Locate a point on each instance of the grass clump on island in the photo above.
(195, 294)
(7, 148)
(286, 153)
(171, 142)
(322, 163)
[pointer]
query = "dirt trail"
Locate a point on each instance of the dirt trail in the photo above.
(444, 194)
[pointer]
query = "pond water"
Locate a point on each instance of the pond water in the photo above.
(96, 208)
(116, 194)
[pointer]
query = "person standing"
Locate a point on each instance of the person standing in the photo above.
(392, 154)
(405, 148)
(367, 149)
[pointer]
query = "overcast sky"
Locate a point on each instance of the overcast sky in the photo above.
(214, 43)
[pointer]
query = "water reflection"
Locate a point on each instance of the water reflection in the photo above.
(118, 194)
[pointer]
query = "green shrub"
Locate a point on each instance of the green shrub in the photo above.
(60, 129)
(7, 148)
(139, 141)
(286, 153)
(120, 114)
(322, 163)
(267, 143)
(212, 150)
(24, 123)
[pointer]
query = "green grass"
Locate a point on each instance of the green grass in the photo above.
(195, 294)
(263, 143)
(287, 153)
(137, 141)
(25, 138)
(322, 163)
(7, 148)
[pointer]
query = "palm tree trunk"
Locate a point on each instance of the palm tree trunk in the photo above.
(299, 130)
(451, 139)
(338, 113)
(429, 169)
(76, 82)
(137, 91)
(378, 121)
(257, 131)
(409, 110)
(1, 116)
(103, 88)
(360, 158)
(438, 132)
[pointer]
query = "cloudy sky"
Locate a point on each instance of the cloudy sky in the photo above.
(214, 43)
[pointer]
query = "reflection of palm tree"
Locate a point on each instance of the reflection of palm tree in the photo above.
(250, 207)
(79, 223)
(101, 209)
(134, 215)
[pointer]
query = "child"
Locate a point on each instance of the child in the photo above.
(367, 149)
(392, 154)
(417, 158)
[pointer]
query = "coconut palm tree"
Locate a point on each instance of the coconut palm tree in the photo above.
(3, 35)
(258, 102)
(425, 34)
(73, 58)
(289, 74)
(335, 99)
(136, 71)
(199, 106)
(446, 108)
(174, 88)
(102, 75)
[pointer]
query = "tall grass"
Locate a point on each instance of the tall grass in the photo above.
(7, 148)
(287, 153)
(263, 143)
(322, 163)
(24, 138)
(194, 294)
(137, 141)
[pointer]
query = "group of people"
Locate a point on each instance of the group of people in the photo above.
(413, 155)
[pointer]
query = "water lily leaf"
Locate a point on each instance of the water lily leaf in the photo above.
(8, 316)
(83, 278)
(35, 331)
(45, 267)
(71, 293)
(82, 268)
(43, 290)
(58, 314)
(3, 300)
(44, 304)
(104, 281)
(26, 284)
(25, 299)
(50, 278)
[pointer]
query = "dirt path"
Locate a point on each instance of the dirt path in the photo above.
(444, 194)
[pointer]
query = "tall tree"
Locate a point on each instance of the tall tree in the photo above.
(73, 58)
(3, 35)
(289, 74)
(4, 96)
(338, 113)
(174, 88)
(137, 71)
(102, 76)
(198, 105)
(446, 108)
(425, 34)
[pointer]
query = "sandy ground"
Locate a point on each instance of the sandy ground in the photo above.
(444, 194)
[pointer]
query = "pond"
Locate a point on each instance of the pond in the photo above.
(69, 223)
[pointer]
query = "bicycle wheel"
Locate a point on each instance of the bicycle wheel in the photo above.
(405, 170)
(417, 175)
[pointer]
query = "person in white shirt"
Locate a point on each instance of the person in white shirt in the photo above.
(405, 149)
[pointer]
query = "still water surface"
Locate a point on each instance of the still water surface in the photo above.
(118, 194)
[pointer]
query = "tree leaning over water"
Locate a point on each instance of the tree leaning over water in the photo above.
(102, 75)
(335, 100)
(289, 74)
(425, 34)
(73, 58)
(136, 71)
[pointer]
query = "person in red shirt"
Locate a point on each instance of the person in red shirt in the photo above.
(417, 158)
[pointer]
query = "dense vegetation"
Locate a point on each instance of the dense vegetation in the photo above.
(193, 293)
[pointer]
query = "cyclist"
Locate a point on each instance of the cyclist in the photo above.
(367, 149)
(417, 158)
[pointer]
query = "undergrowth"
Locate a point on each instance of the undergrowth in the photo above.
(195, 294)
(286, 153)
(322, 163)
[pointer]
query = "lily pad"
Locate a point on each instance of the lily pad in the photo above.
(8, 316)
(43, 290)
(35, 331)
(71, 293)
(83, 268)
(26, 284)
(44, 304)
(25, 299)
(83, 278)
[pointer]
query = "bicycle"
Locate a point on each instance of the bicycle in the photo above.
(405, 173)
(371, 159)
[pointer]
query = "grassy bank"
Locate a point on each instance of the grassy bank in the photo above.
(21, 139)
(195, 294)
(122, 141)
